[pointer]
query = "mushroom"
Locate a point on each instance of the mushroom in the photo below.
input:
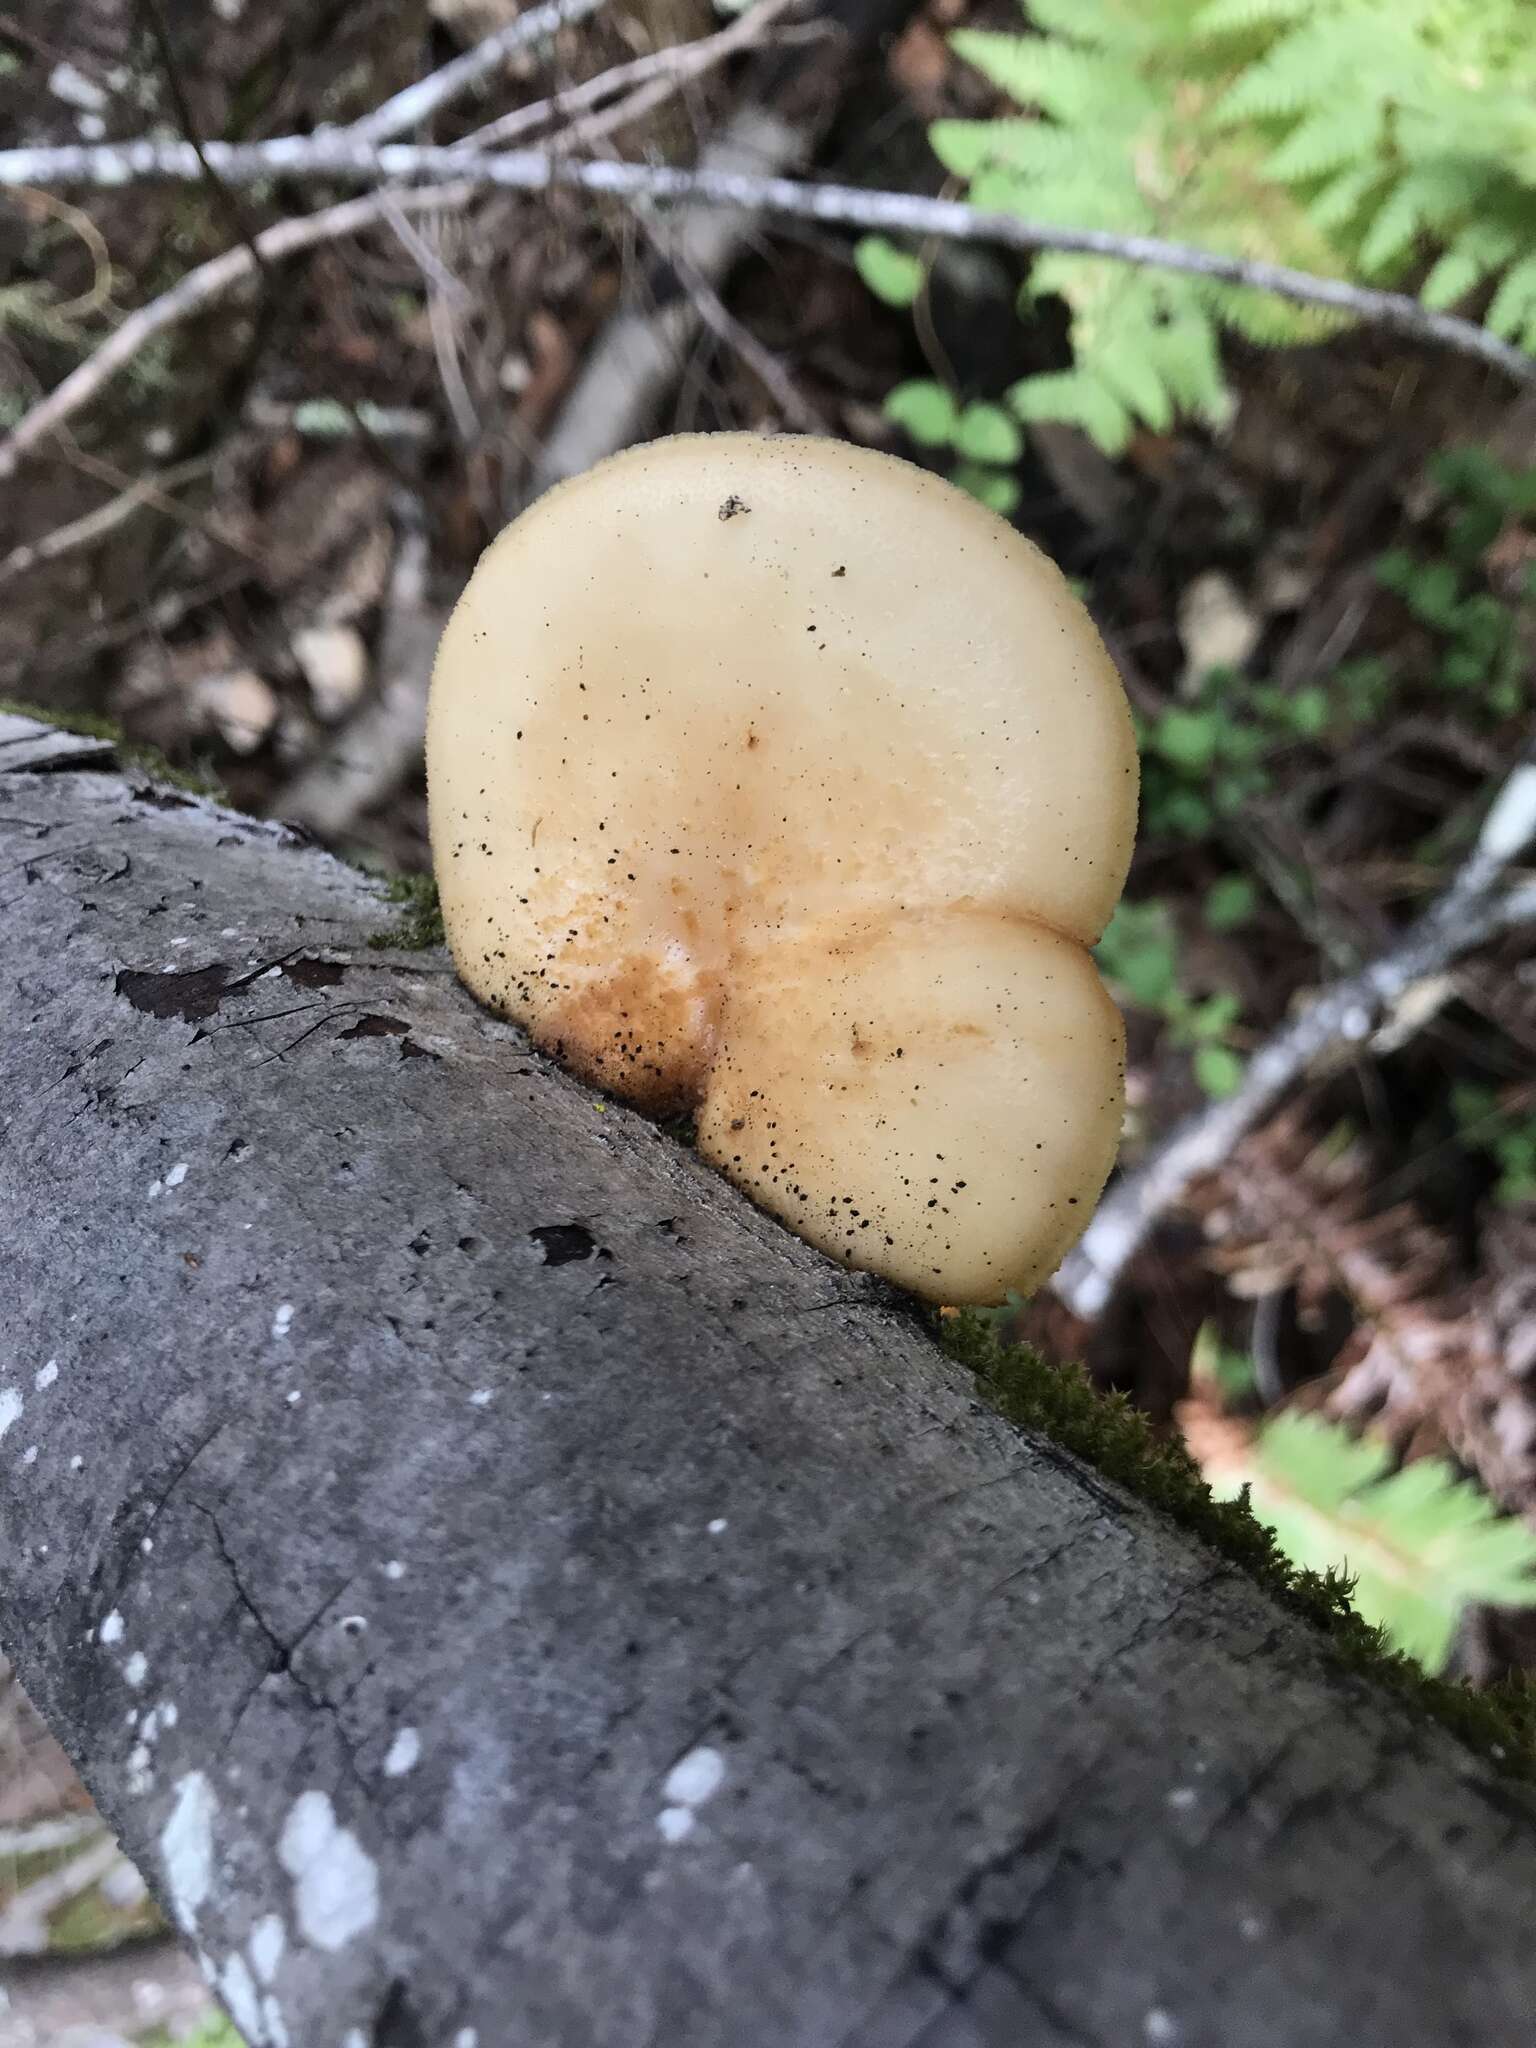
(778, 782)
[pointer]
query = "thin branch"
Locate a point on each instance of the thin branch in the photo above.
(428, 96)
(1473, 908)
(636, 358)
(662, 73)
(343, 156)
(232, 207)
(95, 525)
(1517, 907)
(446, 299)
(201, 287)
(794, 408)
(99, 292)
(369, 759)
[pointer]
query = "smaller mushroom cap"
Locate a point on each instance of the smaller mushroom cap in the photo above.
(778, 781)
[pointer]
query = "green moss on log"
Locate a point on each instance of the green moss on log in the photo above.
(1117, 1440)
(133, 755)
(421, 925)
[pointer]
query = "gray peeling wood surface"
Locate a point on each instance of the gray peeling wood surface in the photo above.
(507, 1591)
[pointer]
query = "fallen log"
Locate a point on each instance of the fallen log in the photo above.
(505, 1590)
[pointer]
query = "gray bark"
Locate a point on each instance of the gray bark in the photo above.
(496, 1580)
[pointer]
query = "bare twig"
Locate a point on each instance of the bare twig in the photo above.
(99, 291)
(635, 360)
(344, 156)
(1473, 908)
(447, 297)
(419, 102)
(95, 525)
(24, 1923)
(795, 409)
(373, 754)
(232, 207)
(201, 287)
(649, 81)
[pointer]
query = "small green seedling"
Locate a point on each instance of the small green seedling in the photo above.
(1503, 1134)
(1139, 957)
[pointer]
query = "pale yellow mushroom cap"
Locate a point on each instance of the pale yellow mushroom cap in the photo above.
(779, 781)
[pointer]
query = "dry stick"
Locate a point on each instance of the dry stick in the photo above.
(1471, 909)
(765, 366)
(428, 96)
(200, 287)
(221, 273)
(331, 794)
(95, 525)
(342, 156)
(446, 296)
(407, 109)
(232, 207)
(373, 753)
(723, 324)
(662, 74)
(635, 359)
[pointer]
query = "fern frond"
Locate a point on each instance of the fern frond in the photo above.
(1189, 363)
(1345, 197)
(1096, 22)
(1073, 85)
(1078, 399)
(1326, 141)
(1513, 312)
(1266, 321)
(1034, 149)
(1228, 17)
(1421, 1544)
(1077, 199)
(1134, 378)
(1421, 199)
(1318, 59)
(1336, 136)
(1475, 254)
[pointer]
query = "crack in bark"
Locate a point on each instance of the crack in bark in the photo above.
(281, 1664)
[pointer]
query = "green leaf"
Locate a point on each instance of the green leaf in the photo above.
(1474, 530)
(927, 412)
(1209, 1020)
(1139, 954)
(986, 434)
(1343, 197)
(1230, 903)
(891, 273)
(1187, 739)
(1325, 141)
(1182, 814)
(994, 488)
(1433, 592)
(1421, 1544)
(1219, 1366)
(1392, 232)
(1483, 247)
(1218, 1069)
(1307, 711)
